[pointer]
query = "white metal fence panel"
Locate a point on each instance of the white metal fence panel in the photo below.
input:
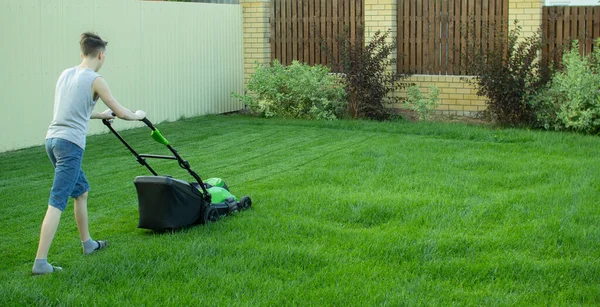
(170, 59)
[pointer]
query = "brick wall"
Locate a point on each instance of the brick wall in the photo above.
(456, 96)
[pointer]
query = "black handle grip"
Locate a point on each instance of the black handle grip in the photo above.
(149, 123)
(106, 121)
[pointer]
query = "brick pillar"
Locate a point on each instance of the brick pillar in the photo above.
(528, 13)
(257, 48)
(380, 15)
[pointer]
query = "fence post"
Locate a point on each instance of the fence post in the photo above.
(256, 34)
(528, 13)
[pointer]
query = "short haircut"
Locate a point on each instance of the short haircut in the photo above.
(91, 44)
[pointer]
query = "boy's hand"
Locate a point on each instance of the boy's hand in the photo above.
(141, 114)
(108, 114)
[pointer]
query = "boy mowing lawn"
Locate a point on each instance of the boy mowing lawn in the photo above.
(77, 90)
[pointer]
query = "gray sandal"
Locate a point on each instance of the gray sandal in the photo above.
(54, 269)
(101, 245)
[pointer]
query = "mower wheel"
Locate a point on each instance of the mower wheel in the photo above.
(211, 215)
(245, 203)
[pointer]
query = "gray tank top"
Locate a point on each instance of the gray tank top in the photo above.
(73, 105)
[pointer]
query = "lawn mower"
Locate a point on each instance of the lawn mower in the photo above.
(169, 203)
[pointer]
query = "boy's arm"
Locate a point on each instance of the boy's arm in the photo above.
(100, 87)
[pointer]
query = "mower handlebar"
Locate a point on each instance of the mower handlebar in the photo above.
(159, 138)
(145, 120)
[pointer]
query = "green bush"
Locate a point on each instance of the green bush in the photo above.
(296, 91)
(572, 101)
(545, 106)
(417, 102)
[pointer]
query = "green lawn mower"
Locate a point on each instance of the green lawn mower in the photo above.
(169, 203)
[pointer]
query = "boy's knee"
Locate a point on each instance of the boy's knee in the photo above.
(57, 205)
(82, 196)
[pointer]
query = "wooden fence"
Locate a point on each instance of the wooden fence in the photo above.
(430, 40)
(563, 24)
(297, 27)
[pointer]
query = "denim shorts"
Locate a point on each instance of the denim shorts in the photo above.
(69, 179)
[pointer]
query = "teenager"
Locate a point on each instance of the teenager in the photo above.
(77, 91)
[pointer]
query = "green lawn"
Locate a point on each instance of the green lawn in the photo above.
(345, 213)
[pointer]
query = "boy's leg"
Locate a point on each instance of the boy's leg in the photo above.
(80, 193)
(66, 158)
(81, 217)
(49, 227)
